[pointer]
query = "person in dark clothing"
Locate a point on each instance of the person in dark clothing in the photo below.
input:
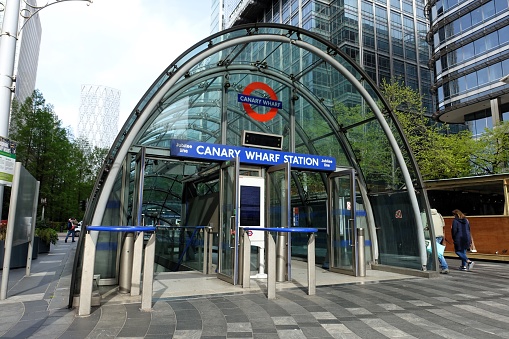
(71, 226)
(462, 239)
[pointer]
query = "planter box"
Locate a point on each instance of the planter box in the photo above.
(43, 247)
(18, 255)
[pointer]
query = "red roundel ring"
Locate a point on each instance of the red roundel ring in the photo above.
(257, 116)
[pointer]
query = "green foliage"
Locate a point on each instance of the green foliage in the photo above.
(65, 168)
(46, 234)
(492, 155)
(439, 154)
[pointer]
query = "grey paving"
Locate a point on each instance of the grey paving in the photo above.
(458, 305)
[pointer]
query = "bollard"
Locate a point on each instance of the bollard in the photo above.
(361, 248)
(126, 264)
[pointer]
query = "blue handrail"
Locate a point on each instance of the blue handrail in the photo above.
(121, 228)
(282, 229)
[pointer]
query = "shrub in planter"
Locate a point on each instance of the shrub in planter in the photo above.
(47, 236)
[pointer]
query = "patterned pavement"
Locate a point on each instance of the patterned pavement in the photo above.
(458, 305)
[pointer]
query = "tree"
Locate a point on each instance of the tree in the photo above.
(439, 154)
(492, 156)
(66, 168)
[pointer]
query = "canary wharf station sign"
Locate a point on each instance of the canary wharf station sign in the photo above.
(253, 156)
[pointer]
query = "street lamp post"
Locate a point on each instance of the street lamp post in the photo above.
(8, 39)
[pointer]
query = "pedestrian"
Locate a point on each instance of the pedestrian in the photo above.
(438, 227)
(462, 239)
(71, 226)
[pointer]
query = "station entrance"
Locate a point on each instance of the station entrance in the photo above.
(226, 196)
(335, 160)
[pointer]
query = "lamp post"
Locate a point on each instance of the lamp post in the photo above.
(8, 38)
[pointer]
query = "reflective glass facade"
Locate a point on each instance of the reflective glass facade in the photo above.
(387, 38)
(196, 99)
(470, 57)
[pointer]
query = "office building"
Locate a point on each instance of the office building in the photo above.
(470, 59)
(99, 111)
(27, 52)
(386, 37)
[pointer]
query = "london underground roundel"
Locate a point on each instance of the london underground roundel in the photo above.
(249, 101)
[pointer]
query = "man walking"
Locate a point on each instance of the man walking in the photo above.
(71, 226)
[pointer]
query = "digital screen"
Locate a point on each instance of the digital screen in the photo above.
(263, 140)
(250, 206)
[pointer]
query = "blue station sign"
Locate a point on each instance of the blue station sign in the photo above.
(254, 156)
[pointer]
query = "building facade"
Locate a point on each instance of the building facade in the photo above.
(386, 37)
(99, 111)
(27, 52)
(470, 59)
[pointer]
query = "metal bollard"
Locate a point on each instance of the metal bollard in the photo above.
(126, 264)
(361, 248)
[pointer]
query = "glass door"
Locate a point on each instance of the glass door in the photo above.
(341, 226)
(228, 263)
(277, 212)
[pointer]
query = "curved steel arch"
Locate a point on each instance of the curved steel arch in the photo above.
(282, 78)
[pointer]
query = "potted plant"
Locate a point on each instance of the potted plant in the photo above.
(46, 234)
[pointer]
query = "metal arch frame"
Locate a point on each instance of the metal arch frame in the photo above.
(182, 71)
(277, 76)
(311, 99)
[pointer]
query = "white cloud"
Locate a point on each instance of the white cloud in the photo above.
(123, 44)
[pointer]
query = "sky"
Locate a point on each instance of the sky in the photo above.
(122, 44)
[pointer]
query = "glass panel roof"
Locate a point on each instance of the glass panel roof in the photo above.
(322, 113)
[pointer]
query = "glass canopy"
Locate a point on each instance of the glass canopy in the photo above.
(328, 107)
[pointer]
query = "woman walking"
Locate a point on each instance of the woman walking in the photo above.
(462, 239)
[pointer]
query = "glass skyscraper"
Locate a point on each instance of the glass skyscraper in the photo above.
(386, 37)
(27, 53)
(470, 57)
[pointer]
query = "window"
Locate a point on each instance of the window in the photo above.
(407, 7)
(488, 10)
(440, 7)
(462, 85)
(466, 22)
(453, 87)
(495, 72)
(491, 40)
(500, 5)
(482, 76)
(295, 20)
(369, 59)
(505, 67)
(476, 16)
(503, 35)
(468, 51)
(438, 67)
(440, 94)
(399, 68)
(471, 80)
(479, 46)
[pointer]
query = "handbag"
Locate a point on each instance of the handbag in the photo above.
(440, 248)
